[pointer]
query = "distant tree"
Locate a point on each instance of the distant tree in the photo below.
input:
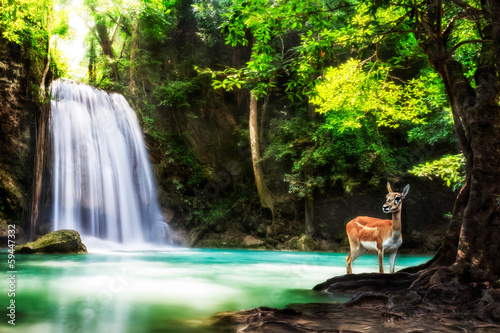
(266, 27)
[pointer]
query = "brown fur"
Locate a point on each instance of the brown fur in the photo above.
(378, 231)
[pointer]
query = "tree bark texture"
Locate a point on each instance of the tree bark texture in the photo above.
(475, 224)
(266, 197)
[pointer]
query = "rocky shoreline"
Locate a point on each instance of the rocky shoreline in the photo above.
(381, 305)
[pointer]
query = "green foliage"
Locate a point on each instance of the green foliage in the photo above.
(32, 24)
(319, 155)
(437, 128)
(449, 168)
(211, 212)
(364, 102)
(189, 173)
(350, 92)
(209, 17)
(176, 93)
(157, 18)
(269, 24)
(24, 21)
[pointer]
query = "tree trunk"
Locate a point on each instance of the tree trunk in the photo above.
(106, 44)
(47, 65)
(133, 53)
(309, 214)
(478, 245)
(266, 197)
(92, 61)
(475, 224)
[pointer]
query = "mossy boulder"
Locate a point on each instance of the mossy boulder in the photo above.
(252, 242)
(304, 243)
(60, 241)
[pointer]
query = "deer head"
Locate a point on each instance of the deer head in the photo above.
(394, 199)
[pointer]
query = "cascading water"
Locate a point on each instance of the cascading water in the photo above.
(102, 182)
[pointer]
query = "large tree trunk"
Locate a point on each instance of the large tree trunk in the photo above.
(475, 224)
(478, 246)
(266, 197)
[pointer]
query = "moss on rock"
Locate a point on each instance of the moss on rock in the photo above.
(60, 241)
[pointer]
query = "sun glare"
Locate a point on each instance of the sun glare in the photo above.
(73, 48)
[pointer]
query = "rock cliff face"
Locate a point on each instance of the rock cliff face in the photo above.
(18, 111)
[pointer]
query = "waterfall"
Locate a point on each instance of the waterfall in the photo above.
(102, 180)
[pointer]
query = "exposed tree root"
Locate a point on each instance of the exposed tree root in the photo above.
(371, 281)
(400, 302)
(435, 276)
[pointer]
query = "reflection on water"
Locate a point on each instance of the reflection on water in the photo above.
(174, 290)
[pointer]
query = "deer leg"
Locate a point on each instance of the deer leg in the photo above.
(381, 260)
(353, 247)
(350, 258)
(348, 263)
(392, 261)
(353, 255)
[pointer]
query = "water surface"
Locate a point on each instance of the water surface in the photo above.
(174, 290)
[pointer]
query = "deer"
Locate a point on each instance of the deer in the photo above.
(383, 236)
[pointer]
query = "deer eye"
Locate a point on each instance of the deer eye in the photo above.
(397, 199)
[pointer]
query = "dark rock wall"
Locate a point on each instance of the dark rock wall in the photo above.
(424, 216)
(17, 132)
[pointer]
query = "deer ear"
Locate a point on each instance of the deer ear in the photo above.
(405, 191)
(389, 187)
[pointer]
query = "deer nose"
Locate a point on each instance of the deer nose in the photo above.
(385, 208)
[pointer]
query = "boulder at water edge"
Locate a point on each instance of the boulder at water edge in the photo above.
(60, 241)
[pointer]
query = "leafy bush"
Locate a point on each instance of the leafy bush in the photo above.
(176, 93)
(449, 168)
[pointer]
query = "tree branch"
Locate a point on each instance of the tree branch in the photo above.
(439, 19)
(450, 26)
(428, 31)
(117, 22)
(113, 34)
(471, 41)
(466, 7)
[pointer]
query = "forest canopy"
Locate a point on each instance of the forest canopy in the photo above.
(362, 100)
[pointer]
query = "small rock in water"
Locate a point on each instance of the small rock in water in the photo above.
(60, 241)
